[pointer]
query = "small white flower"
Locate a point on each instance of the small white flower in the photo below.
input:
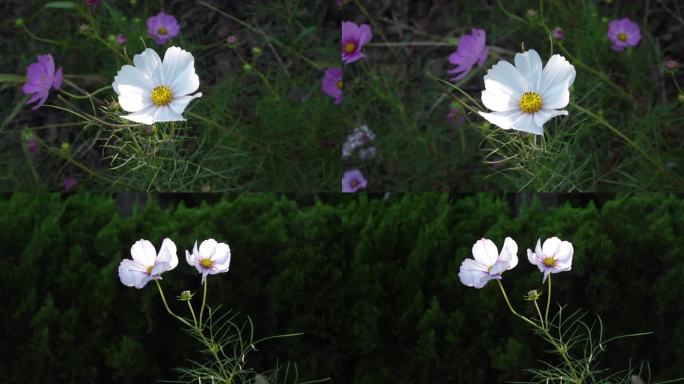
(210, 259)
(553, 257)
(525, 97)
(488, 264)
(147, 265)
(360, 137)
(155, 91)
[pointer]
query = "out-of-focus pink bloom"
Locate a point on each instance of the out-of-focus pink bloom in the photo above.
(353, 180)
(354, 37)
(40, 78)
(92, 3)
(471, 50)
(32, 145)
(671, 64)
(232, 39)
(487, 263)
(69, 183)
(332, 83)
(558, 33)
(162, 27)
(121, 38)
(623, 33)
(553, 257)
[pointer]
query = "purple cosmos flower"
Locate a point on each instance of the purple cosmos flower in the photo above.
(69, 183)
(553, 257)
(671, 64)
(211, 258)
(121, 38)
(162, 27)
(32, 145)
(40, 77)
(232, 39)
(145, 264)
(471, 51)
(332, 84)
(558, 33)
(92, 3)
(623, 33)
(353, 180)
(487, 263)
(354, 37)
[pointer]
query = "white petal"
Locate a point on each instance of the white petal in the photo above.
(178, 104)
(564, 253)
(151, 65)
(503, 120)
(221, 257)
(485, 252)
(165, 113)
(145, 116)
(541, 117)
(529, 65)
(131, 274)
(471, 275)
(134, 99)
(551, 246)
(176, 61)
(534, 259)
(185, 82)
(525, 123)
(497, 98)
(132, 76)
(207, 248)
(506, 75)
(167, 253)
(190, 258)
(509, 253)
(556, 97)
(143, 252)
(556, 71)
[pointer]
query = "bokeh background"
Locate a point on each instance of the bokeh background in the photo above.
(371, 281)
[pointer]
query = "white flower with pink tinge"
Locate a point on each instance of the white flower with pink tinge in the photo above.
(211, 258)
(553, 257)
(146, 265)
(487, 263)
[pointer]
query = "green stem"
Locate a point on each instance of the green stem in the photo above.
(511, 307)
(548, 304)
(192, 312)
(161, 292)
(204, 299)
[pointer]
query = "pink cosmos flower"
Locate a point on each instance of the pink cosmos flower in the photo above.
(162, 27)
(40, 78)
(471, 51)
(487, 263)
(232, 39)
(121, 38)
(332, 84)
(92, 2)
(558, 33)
(671, 64)
(553, 257)
(146, 265)
(623, 33)
(69, 183)
(211, 258)
(353, 180)
(354, 37)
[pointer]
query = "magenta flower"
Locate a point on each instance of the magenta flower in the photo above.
(92, 3)
(353, 180)
(332, 83)
(69, 183)
(232, 39)
(354, 37)
(623, 33)
(162, 27)
(40, 78)
(558, 33)
(121, 38)
(32, 145)
(471, 51)
(487, 263)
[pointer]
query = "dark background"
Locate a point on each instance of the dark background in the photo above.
(371, 281)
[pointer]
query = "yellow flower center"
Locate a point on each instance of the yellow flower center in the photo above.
(530, 102)
(149, 269)
(161, 95)
(622, 36)
(206, 263)
(163, 31)
(549, 261)
(350, 47)
(339, 84)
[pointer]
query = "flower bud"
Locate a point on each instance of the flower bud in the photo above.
(66, 148)
(532, 295)
(185, 296)
(247, 68)
(19, 22)
(256, 51)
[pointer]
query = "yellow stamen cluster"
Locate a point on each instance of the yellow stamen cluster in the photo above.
(162, 31)
(622, 36)
(339, 84)
(530, 102)
(161, 95)
(206, 263)
(354, 183)
(549, 261)
(149, 269)
(350, 47)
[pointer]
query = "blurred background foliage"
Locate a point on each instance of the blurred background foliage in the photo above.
(370, 280)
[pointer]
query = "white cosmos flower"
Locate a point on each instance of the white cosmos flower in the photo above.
(525, 97)
(155, 91)
(487, 263)
(146, 265)
(211, 258)
(553, 257)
